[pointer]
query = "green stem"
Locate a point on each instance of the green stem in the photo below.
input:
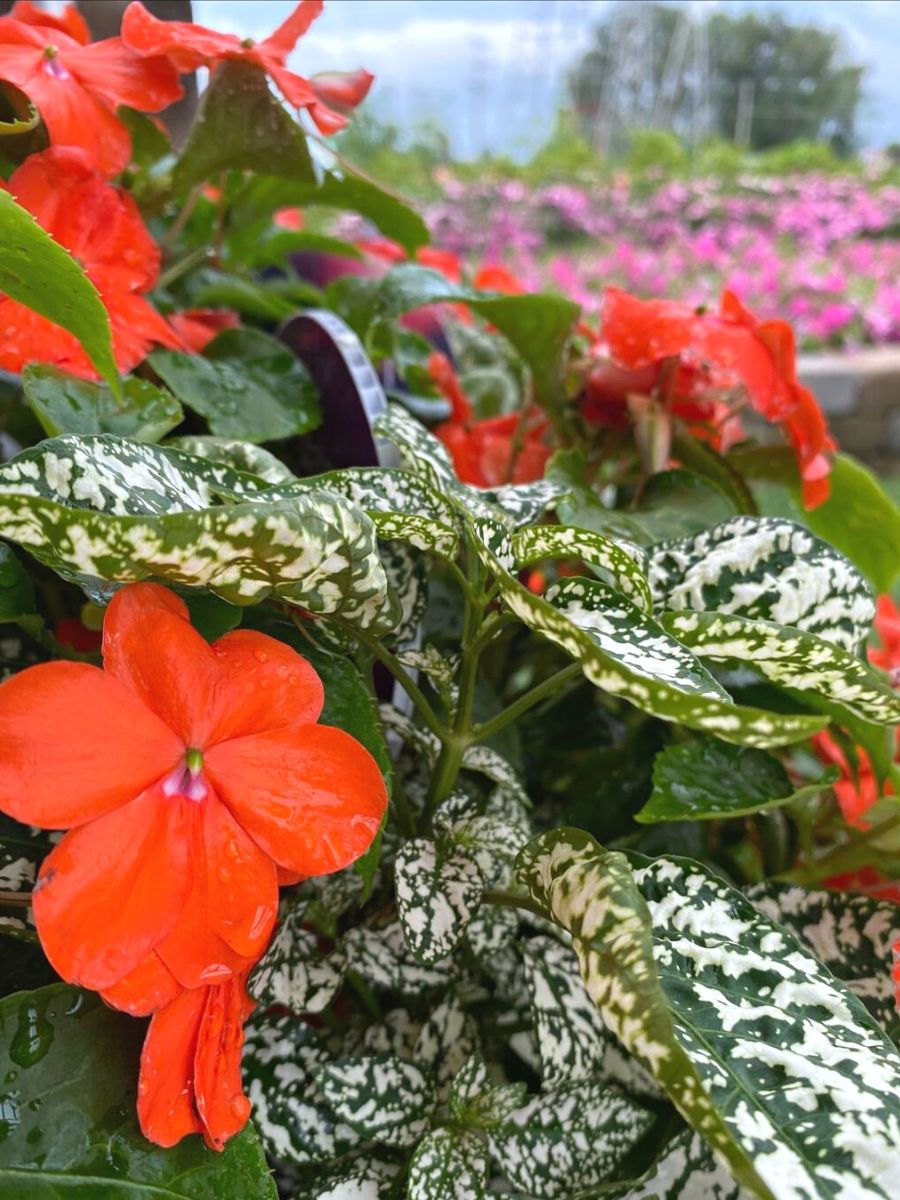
(182, 265)
(23, 898)
(842, 858)
(514, 900)
(534, 696)
(403, 677)
(173, 232)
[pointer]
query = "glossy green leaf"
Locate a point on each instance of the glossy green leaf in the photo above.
(705, 779)
(64, 404)
(240, 125)
(394, 218)
(248, 385)
(767, 568)
(676, 503)
(772, 1060)
(105, 509)
(69, 1067)
(800, 661)
(37, 272)
(16, 589)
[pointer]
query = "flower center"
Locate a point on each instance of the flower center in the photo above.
(187, 778)
(248, 43)
(52, 65)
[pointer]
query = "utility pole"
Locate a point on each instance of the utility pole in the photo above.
(743, 121)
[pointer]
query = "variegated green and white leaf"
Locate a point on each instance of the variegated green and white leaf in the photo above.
(568, 1139)
(525, 503)
(438, 668)
(642, 667)
(381, 1098)
(282, 1056)
(444, 1042)
(365, 1177)
(476, 1102)
(622, 564)
(772, 1060)
(420, 451)
(854, 936)
(406, 577)
(422, 741)
(490, 842)
(788, 657)
(448, 1166)
(437, 894)
(488, 762)
(395, 1034)
(686, 1170)
(101, 509)
(491, 930)
(294, 972)
(768, 568)
(383, 959)
(231, 452)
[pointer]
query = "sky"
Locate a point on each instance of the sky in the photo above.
(492, 72)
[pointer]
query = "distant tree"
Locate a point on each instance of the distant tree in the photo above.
(757, 78)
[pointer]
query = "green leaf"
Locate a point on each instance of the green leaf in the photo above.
(800, 661)
(768, 568)
(437, 894)
(37, 272)
(568, 1138)
(282, 1058)
(381, 1098)
(703, 460)
(391, 215)
(240, 125)
(16, 589)
(853, 936)
(70, 1066)
(276, 249)
(705, 779)
(294, 972)
(778, 1065)
(676, 503)
(248, 385)
(102, 509)
(859, 518)
(64, 404)
(448, 1166)
(259, 301)
(232, 452)
(620, 564)
(627, 654)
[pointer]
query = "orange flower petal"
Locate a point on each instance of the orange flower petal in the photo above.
(232, 904)
(166, 1085)
(245, 683)
(312, 797)
(150, 986)
(76, 744)
(112, 889)
(219, 1096)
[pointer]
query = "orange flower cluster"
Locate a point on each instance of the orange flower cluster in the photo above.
(691, 358)
(192, 778)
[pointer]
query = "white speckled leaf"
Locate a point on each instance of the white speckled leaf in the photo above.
(622, 563)
(282, 1056)
(444, 1042)
(772, 1060)
(381, 1098)
(626, 654)
(294, 972)
(568, 1139)
(105, 509)
(769, 568)
(448, 1166)
(788, 657)
(231, 452)
(437, 893)
(476, 1102)
(407, 576)
(686, 1170)
(853, 936)
(383, 959)
(364, 1177)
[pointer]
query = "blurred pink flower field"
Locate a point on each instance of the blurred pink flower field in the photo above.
(822, 251)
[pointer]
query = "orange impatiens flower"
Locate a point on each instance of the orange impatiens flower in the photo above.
(76, 88)
(721, 351)
(186, 774)
(190, 1080)
(327, 98)
(68, 21)
(101, 227)
(196, 327)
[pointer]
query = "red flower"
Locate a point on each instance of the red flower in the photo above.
(724, 350)
(187, 772)
(196, 327)
(288, 218)
(69, 21)
(493, 277)
(887, 626)
(497, 450)
(101, 227)
(190, 1079)
(190, 46)
(77, 88)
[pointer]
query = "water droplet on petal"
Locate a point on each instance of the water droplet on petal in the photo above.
(260, 656)
(240, 1106)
